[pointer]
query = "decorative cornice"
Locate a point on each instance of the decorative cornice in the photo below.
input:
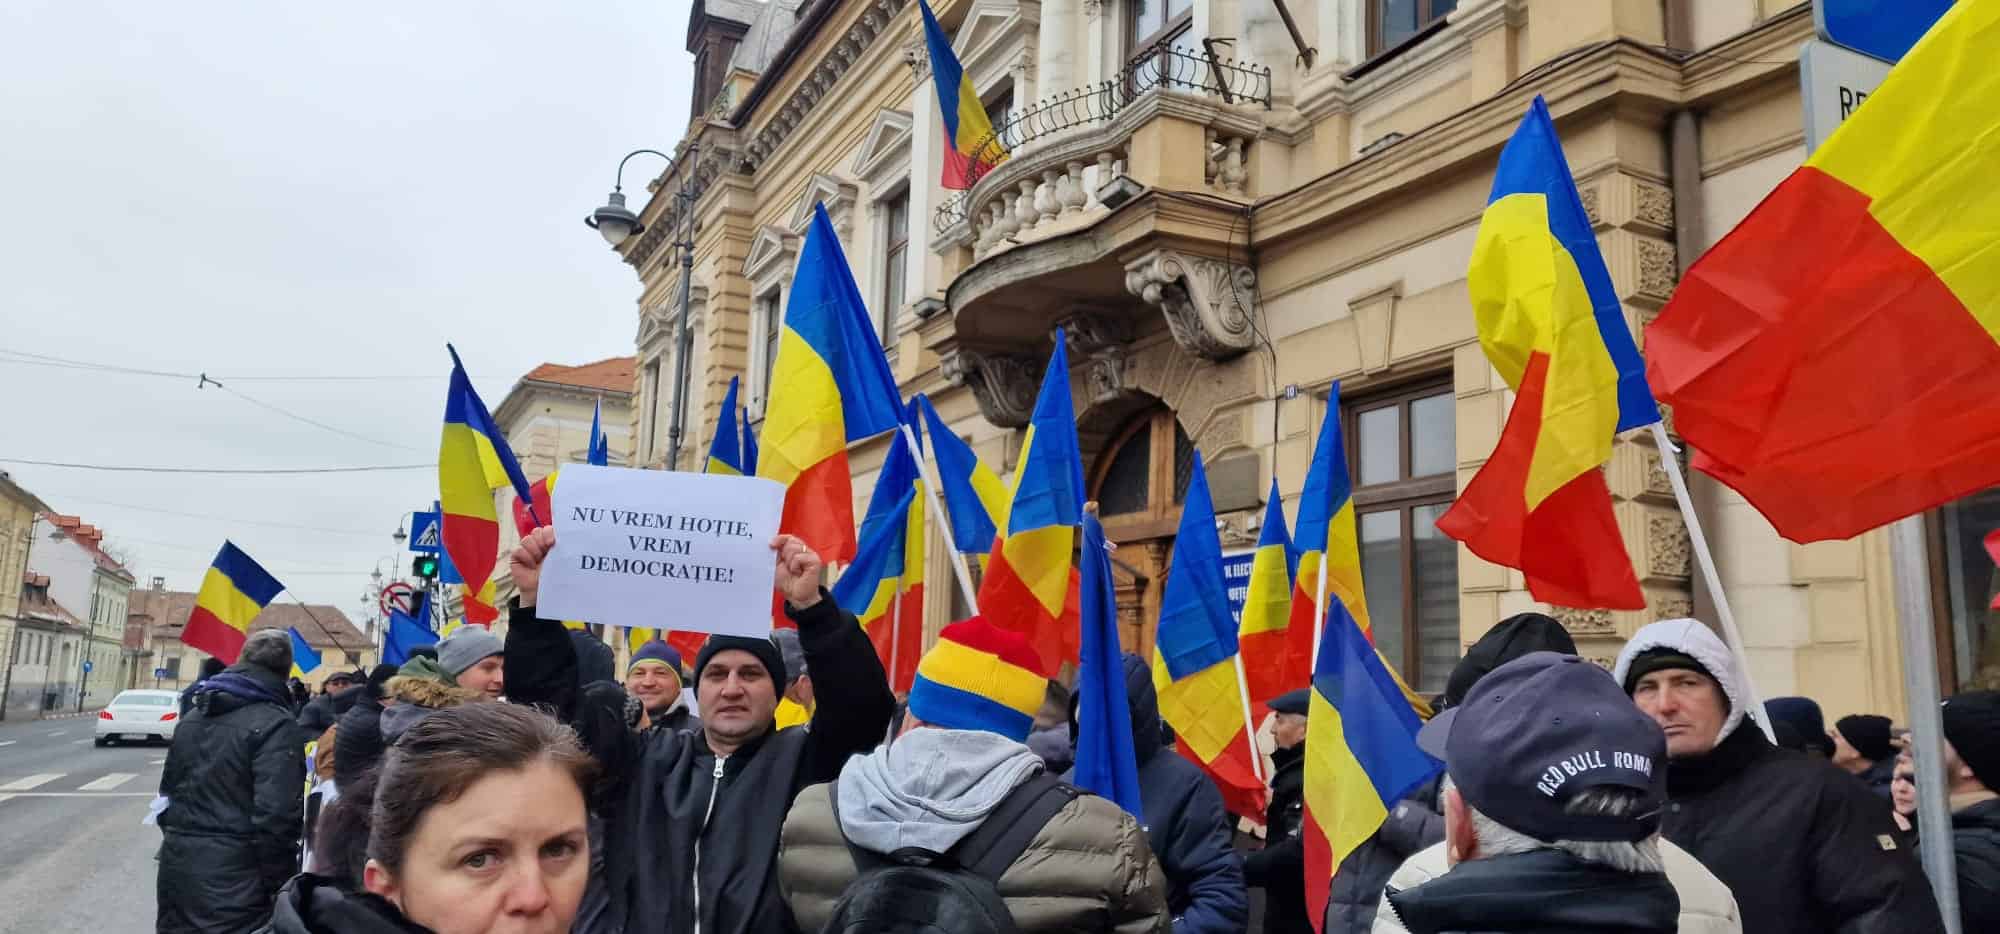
(1208, 303)
(1004, 385)
(1102, 340)
(817, 83)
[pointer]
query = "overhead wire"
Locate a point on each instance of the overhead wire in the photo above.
(215, 518)
(227, 471)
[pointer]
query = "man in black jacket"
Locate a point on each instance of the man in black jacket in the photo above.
(1972, 772)
(1280, 867)
(1802, 845)
(235, 782)
(691, 819)
(210, 667)
(1185, 821)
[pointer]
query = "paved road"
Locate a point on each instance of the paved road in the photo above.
(77, 858)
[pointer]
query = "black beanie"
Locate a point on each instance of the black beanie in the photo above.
(381, 675)
(765, 650)
(1662, 658)
(1868, 734)
(1972, 725)
(1509, 639)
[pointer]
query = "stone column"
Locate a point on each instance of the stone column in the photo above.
(1055, 53)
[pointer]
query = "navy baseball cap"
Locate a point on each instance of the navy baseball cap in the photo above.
(1541, 728)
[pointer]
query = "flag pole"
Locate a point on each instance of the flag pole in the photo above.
(1319, 609)
(1249, 725)
(1672, 465)
(1910, 567)
(958, 567)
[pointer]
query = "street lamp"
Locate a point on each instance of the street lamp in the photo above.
(618, 224)
(614, 221)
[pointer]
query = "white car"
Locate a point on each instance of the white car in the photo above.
(140, 715)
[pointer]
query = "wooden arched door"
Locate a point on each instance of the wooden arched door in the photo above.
(1139, 483)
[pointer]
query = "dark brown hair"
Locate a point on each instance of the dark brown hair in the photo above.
(445, 752)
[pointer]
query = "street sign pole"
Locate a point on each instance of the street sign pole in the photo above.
(1909, 561)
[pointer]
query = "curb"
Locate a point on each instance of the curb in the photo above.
(70, 715)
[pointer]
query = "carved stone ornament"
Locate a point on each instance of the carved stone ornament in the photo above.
(1092, 9)
(1653, 204)
(1581, 622)
(1101, 340)
(1657, 269)
(1208, 303)
(1674, 607)
(1669, 551)
(1591, 201)
(918, 57)
(1004, 385)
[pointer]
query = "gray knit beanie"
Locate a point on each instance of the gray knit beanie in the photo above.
(269, 649)
(466, 647)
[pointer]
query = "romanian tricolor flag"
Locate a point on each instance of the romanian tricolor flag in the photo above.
(473, 462)
(686, 643)
(233, 592)
(1267, 608)
(971, 148)
(1030, 577)
(974, 496)
(304, 657)
(727, 452)
(1552, 326)
(830, 386)
(1836, 357)
(1195, 668)
(870, 588)
(1326, 528)
(1361, 753)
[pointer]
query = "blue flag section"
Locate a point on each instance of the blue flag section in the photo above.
(407, 632)
(304, 659)
(598, 452)
(1107, 762)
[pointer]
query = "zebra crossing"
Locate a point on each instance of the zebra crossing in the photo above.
(73, 785)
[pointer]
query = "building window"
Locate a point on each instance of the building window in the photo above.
(895, 259)
(772, 314)
(1401, 450)
(1151, 22)
(1972, 581)
(651, 385)
(173, 667)
(1393, 22)
(1142, 476)
(704, 89)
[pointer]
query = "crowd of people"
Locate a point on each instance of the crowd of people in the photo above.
(777, 785)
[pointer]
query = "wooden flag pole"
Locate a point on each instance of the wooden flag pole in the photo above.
(944, 523)
(1672, 465)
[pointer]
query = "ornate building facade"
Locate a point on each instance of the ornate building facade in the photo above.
(1227, 207)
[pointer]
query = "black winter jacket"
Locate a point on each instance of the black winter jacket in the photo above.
(327, 709)
(1185, 821)
(236, 782)
(666, 790)
(1280, 867)
(1544, 891)
(312, 904)
(1804, 847)
(1975, 836)
(358, 743)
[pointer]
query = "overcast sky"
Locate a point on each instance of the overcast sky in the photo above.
(303, 190)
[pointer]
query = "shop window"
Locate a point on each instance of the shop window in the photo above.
(1972, 581)
(1402, 454)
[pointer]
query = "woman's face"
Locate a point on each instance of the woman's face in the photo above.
(508, 855)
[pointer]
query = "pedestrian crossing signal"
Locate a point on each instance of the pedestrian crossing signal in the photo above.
(425, 566)
(427, 538)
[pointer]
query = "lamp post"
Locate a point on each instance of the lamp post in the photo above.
(617, 224)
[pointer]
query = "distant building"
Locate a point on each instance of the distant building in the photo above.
(163, 614)
(94, 587)
(18, 508)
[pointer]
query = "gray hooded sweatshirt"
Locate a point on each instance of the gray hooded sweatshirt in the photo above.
(930, 788)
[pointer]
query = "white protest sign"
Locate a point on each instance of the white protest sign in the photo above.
(662, 548)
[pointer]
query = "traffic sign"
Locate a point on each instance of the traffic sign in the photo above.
(159, 673)
(425, 532)
(399, 596)
(1834, 82)
(1881, 29)
(86, 666)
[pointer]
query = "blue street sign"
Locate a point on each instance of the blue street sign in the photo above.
(86, 666)
(424, 532)
(159, 673)
(1885, 29)
(1236, 581)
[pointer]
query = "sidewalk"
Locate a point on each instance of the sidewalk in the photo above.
(67, 715)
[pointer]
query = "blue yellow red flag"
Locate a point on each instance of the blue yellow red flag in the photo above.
(1107, 760)
(830, 386)
(1552, 326)
(1195, 669)
(235, 589)
(598, 449)
(1267, 607)
(974, 496)
(971, 148)
(726, 451)
(1361, 753)
(883, 571)
(473, 462)
(305, 659)
(1030, 576)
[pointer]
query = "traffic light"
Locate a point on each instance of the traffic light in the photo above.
(425, 567)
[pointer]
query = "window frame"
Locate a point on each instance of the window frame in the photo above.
(1161, 517)
(893, 274)
(1403, 496)
(1427, 21)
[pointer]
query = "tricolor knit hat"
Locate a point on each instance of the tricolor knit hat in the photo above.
(979, 677)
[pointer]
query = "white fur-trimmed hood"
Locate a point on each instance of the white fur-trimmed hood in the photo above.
(1693, 638)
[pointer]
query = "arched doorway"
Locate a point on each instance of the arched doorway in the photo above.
(1139, 482)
